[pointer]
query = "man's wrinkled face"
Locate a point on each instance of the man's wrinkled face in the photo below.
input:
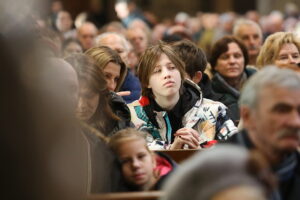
(276, 120)
(252, 38)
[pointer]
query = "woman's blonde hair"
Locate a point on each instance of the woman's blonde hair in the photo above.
(272, 46)
(104, 55)
(126, 135)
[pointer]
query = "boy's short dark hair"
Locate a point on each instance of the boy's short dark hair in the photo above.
(193, 57)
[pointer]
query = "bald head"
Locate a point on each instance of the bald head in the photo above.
(86, 34)
(116, 42)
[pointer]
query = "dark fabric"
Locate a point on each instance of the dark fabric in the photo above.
(207, 91)
(230, 96)
(132, 84)
(288, 171)
(187, 100)
(120, 108)
(105, 174)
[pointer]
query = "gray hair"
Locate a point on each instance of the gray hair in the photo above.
(266, 77)
(247, 22)
(210, 172)
(125, 42)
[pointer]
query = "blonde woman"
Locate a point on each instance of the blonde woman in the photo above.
(281, 49)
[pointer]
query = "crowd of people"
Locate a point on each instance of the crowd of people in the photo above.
(227, 84)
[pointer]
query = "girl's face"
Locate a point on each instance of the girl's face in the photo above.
(87, 103)
(230, 64)
(137, 163)
(112, 75)
(165, 80)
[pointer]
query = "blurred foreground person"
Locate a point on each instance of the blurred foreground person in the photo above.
(97, 106)
(141, 168)
(223, 173)
(43, 151)
(281, 49)
(269, 106)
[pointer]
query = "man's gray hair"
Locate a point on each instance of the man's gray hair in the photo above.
(266, 77)
(102, 36)
(210, 172)
(242, 22)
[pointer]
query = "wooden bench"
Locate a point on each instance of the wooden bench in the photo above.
(149, 195)
(179, 155)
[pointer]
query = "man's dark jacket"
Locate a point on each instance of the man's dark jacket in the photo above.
(287, 172)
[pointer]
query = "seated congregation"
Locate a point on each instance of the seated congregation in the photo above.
(137, 118)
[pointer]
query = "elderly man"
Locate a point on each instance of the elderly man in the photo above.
(251, 35)
(270, 110)
(86, 34)
(119, 43)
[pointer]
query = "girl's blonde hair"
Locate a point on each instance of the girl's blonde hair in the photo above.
(126, 135)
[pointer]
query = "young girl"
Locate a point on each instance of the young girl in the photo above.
(141, 169)
(172, 109)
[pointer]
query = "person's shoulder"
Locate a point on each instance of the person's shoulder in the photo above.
(134, 104)
(210, 102)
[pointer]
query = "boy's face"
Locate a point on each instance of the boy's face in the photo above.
(137, 163)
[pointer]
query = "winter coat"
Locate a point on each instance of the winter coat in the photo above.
(207, 117)
(120, 109)
(230, 95)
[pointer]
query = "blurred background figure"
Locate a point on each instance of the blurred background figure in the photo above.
(250, 34)
(86, 34)
(64, 25)
(127, 11)
(139, 39)
(71, 46)
(56, 6)
(223, 173)
(281, 49)
(225, 26)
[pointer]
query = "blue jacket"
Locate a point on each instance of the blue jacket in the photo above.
(132, 84)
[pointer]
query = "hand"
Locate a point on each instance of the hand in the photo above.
(181, 141)
(188, 131)
(123, 93)
(187, 136)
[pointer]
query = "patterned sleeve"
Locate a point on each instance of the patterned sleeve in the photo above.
(225, 127)
(152, 142)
